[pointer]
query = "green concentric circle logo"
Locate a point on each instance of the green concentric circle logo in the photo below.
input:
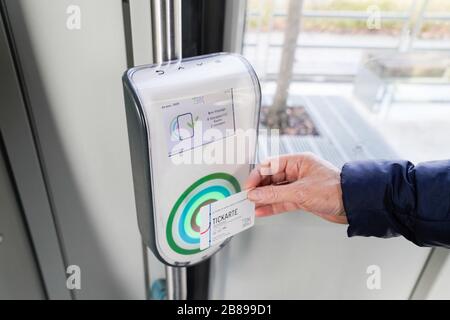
(183, 225)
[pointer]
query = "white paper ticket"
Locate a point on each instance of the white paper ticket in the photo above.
(225, 218)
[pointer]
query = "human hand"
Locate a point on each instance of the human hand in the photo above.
(297, 182)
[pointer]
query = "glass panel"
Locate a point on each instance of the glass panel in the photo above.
(380, 69)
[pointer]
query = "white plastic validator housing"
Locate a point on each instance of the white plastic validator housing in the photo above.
(176, 170)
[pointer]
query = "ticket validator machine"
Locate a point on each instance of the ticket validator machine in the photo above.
(183, 117)
(180, 114)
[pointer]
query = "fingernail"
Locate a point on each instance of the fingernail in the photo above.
(255, 195)
(266, 171)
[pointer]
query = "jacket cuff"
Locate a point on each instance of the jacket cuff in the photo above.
(364, 185)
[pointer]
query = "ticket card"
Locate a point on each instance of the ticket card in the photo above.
(225, 218)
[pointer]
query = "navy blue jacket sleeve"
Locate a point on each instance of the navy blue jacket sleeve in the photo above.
(390, 198)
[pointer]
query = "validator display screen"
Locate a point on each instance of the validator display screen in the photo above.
(195, 121)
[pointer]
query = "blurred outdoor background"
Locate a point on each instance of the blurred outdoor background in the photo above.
(389, 61)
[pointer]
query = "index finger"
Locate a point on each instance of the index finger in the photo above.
(254, 179)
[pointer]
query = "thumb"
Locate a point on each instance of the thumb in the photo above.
(273, 194)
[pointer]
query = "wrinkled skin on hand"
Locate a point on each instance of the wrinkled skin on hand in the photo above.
(297, 182)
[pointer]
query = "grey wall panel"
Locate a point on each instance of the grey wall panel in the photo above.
(26, 169)
(19, 274)
(141, 31)
(73, 81)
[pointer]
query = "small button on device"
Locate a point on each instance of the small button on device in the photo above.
(160, 72)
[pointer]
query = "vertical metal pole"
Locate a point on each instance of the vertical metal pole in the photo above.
(166, 30)
(173, 29)
(159, 30)
(176, 282)
(167, 45)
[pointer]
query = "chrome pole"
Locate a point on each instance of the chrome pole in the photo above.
(166, 30)
(173, 29)
(167, 46)
(176, 282)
